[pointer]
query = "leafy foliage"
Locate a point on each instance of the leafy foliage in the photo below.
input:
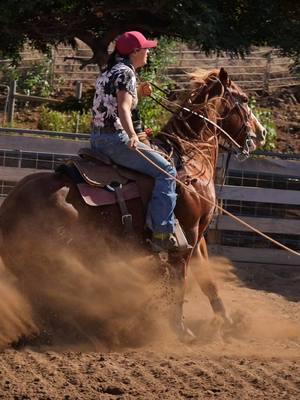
(71, 103)
(34, 81)
(266, 119)
(153, 115)
(64, 122)
(209, 24)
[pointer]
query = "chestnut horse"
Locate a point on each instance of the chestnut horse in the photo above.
(48, 205)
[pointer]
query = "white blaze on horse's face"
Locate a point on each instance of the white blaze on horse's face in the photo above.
(257, 132)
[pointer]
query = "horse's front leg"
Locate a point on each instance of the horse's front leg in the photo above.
(177, 276)
(207, 283)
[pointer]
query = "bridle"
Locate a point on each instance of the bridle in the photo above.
(246, 115)
(242, 152)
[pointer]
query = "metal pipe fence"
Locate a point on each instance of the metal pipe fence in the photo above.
(262, 192)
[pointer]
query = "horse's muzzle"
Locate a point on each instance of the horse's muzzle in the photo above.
(252, 142)
(258, 138)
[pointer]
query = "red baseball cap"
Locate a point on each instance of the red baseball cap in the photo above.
(129, 41)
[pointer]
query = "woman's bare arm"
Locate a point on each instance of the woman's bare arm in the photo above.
(124, 100)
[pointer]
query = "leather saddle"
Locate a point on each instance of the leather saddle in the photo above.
(99, 171)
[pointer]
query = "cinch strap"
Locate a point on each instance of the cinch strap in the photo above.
(126, 217)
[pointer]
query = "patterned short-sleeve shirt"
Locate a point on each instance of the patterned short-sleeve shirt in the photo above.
(105, 109)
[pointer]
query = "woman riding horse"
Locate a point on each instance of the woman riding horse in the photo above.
(45, 213)
(113, 134)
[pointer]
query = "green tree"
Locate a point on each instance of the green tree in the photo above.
(210, 24)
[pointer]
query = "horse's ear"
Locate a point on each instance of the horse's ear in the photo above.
(223, 76)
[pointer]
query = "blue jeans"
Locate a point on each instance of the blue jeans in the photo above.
(160, 215)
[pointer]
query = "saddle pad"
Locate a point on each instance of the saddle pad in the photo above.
(97, 196)
(98, 175)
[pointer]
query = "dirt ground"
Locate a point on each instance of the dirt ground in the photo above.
(260, 361)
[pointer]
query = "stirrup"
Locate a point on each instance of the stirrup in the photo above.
(164, 245)
(183, 245)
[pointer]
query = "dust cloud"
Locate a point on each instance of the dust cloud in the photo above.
(120, 301)
(63, 300)
(16, 319)
(261, 319)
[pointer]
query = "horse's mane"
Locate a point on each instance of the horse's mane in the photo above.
(199, 80)
(201, 76)
(181, 134)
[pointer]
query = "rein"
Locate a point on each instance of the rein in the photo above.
(182, 108)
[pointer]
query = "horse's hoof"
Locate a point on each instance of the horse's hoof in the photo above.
(234, 326)
(187, 336)
(184, 334)
(227, 330)
(227, 322)
(223, 325)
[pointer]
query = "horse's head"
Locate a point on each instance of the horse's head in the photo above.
(238, 119)
(234, 114)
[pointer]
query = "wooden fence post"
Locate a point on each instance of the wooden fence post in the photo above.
(78, 90)
(78, 95)
(52, 67)
(267, 72)
(11, 102)
(180, 56)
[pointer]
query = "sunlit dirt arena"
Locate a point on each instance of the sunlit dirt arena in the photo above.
(257, 358)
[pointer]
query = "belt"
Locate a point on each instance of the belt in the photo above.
(104, 129)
